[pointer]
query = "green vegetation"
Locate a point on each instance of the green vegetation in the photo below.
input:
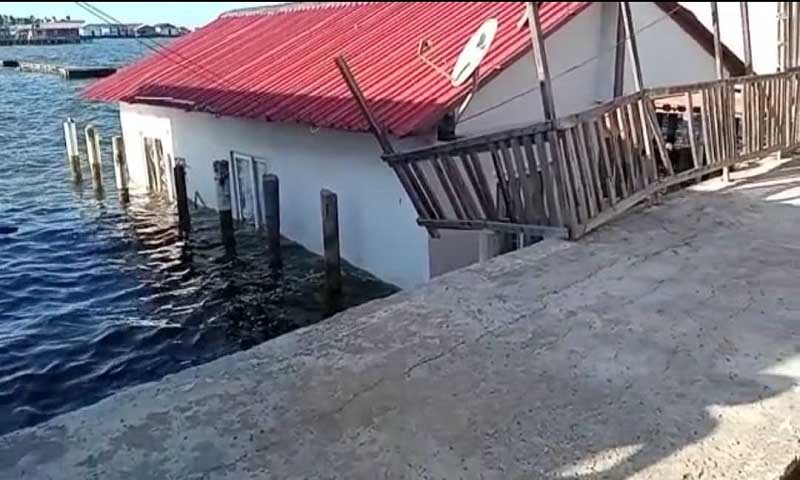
(12, 20)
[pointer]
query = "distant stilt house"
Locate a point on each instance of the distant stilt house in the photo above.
(260, 88)
(50, 32)
(109, 30)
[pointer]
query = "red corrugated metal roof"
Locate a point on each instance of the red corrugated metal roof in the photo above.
(278, 64)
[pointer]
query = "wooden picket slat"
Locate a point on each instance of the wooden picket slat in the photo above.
(601, 136)
(502, 182)
(526, 207)
(479, 184)
(447, 188)
(537, 196)
(463, 195)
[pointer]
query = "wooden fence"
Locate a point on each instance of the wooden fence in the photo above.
(566, 178)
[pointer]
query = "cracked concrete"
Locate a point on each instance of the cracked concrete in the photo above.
(666, 345)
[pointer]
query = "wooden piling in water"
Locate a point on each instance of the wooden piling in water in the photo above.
(272, 214)
(330, 240)
(181, 196)
(120, 168)
(72, 151)
(222, 179)
(94, 156)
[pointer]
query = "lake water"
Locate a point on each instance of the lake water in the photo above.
(95, 297)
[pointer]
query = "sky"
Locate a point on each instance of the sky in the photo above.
(187, 14)
(194, 14)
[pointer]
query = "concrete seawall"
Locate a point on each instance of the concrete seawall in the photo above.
(663, 346)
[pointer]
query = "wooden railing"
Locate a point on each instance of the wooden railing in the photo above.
(566, 178)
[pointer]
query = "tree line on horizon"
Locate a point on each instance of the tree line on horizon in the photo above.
(29, 20)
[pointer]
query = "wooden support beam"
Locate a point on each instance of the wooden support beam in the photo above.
(540, 57)
(718, 61)
(633, 49)
(619, 56)
(404, 175)
(748, 53)
(717, 41)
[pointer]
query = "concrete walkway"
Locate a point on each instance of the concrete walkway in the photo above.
(665, 346)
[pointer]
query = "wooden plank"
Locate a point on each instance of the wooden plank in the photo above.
(574, 166)
(502, 181)
(585, 160)
(649, 168)
(619, 56)
(559, 155)
(696, 161)
(748, 54)
(418, 177)
(633, 49)
(537, 181)
(627, 149)
(796, 106)
(593, 148)
(540, 58)
(716, 145)
(650, 116)
(479, 185)
(551, 182)
(532, 230)
(463, 193)
(478, 144)
(706, 123)
(614, 139)
(515, 210)
(717, 42)
(600, 135)
(447, 188)
(528, 213)
(590, 114)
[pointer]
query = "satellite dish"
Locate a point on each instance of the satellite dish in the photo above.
(473, 52)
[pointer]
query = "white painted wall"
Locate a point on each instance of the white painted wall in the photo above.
(378, 230)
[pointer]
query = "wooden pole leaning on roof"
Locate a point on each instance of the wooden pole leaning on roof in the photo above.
(748, 53)
(540, 57)
(402, 171)
(726, 174)
(619, 55)
(633, 49)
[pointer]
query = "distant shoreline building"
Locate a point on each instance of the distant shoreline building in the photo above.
(131, 30)
(41, 33)
(109, 30)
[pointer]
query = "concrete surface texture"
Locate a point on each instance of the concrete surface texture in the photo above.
(664, 346)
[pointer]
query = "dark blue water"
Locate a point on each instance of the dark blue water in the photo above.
(95, 297)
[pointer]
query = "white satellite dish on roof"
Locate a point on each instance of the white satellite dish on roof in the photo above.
(473, 52)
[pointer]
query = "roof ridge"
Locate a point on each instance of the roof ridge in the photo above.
(286, 7)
